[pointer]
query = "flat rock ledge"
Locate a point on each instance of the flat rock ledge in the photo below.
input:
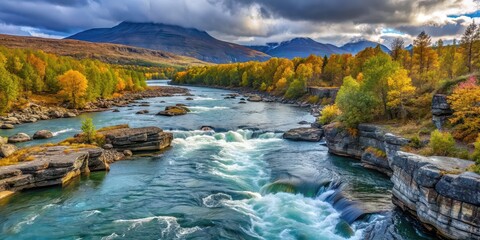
(437, 191)
(433, 190)
(304, 134)
(138, 139)
(53, 166)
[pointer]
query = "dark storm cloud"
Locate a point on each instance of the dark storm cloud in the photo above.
(365, 11)
(241, 20)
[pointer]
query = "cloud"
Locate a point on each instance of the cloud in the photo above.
(247, 21)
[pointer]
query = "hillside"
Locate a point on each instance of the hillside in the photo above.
(356, 47)
(110, 53)
(303, 47)
(175, 39)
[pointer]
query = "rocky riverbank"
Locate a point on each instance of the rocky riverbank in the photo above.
(33, 112)
(43, 166)
(438, 191)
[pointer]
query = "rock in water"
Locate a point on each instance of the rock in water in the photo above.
(19, 137)
(142, 112)
(174, 111)
(7, 150)
(43, 134)
(7, 126)
(138, 139)
(255, 98)
(304, 134)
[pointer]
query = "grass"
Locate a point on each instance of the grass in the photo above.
(411, 129)
(27, 154)
(22, 155)
(110, 128)
(376, 152)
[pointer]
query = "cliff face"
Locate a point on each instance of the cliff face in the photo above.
(446, 202)
(435, 190)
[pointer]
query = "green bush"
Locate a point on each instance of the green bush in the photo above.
(329, 114)
(415, 142)
(442, 143)
(89, 131)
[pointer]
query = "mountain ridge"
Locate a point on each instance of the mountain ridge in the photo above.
(303, 47)
(171, 38)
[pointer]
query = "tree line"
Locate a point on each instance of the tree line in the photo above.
(26, 72)
(374, 85)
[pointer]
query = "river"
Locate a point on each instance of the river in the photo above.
(241, 182)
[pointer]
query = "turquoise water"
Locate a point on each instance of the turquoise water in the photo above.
(209, 185)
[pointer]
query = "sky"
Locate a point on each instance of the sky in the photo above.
(250, 22)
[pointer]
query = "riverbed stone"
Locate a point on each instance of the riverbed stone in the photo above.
(19, 137)
(43, 134)
(304, 134)
(7, 149)
(254, 98)
(174, 111)
(7, 126)
(69, 115)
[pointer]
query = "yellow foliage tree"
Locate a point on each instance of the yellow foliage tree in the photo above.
(74, 86)
(466, 110)
(400, 89)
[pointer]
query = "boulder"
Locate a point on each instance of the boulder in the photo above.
(43, 134)
(69, 115)
(189, 99)
(304, 134)
(7, 150)
(116, 110)
(242, 102)
(127, 153)
(207, 128)
(142, 112)
(55, 114)
(19, 137)
(7, 126)
(107, 146)
(138, 139)
(174, 111)
(441, 110)
(254, 98)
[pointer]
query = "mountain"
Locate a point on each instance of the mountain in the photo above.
(106, 52)
(303, 47)
(356, 47)
(175, 39)
(299, 47)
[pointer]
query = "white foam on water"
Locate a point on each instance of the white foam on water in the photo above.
(240, 158)
(91, 213)
(111, 236)
(170, 228)
(63, 131)
(201, 109)
(30, 219)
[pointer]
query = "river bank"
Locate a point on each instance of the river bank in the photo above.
(209, 184)
(34, 112)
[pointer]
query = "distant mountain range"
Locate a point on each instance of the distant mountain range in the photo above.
(175, 39)
(200, 45)
(106, 52)
(303, 47)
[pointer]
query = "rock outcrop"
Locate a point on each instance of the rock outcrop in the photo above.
(304, 134)
(438, 192)
(51, 166)
(138, 139)
(441, 110)
(435, 190)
